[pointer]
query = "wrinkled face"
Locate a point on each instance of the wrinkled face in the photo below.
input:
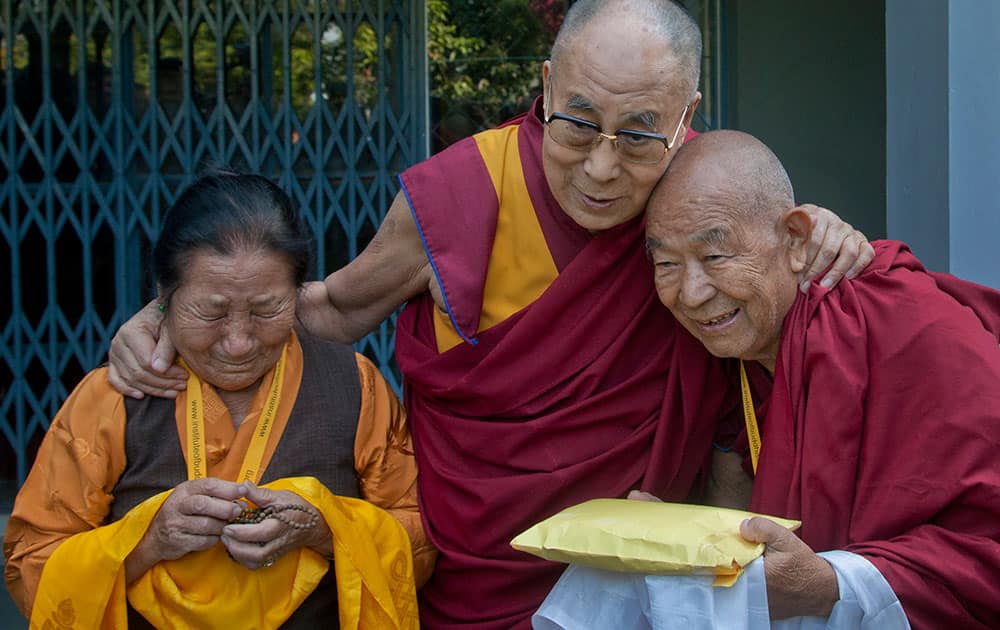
(231, 315)
(729, 283)
(619, 76)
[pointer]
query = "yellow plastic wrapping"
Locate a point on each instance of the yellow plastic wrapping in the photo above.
(647, 537)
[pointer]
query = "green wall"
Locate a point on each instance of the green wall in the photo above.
(808, 78)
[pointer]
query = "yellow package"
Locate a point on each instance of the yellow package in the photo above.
(647, 537)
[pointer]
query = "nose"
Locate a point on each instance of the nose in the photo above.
(696, 287)
(238, 341)
(602, 163)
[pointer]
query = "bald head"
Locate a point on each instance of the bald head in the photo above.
(729, 167)
(668, 19)
(727, 244)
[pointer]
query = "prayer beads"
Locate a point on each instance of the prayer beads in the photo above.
(252, 516)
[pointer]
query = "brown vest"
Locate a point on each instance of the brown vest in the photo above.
(318, 441)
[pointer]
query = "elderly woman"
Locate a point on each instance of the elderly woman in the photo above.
(150, 510)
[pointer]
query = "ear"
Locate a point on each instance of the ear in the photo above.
(546, 86)
(692, 106)
(161, 297)
(796, 227)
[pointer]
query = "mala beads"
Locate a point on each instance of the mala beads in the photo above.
(252, 516)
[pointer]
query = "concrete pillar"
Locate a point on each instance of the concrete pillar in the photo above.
(943, 133)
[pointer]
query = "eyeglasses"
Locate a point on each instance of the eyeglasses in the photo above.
(638, 147)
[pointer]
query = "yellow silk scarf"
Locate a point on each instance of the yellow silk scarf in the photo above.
(83, 583)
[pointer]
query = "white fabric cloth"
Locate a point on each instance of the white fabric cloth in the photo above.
(866, 599)
(587, 598)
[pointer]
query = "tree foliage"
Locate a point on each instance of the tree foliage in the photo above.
(485, 58)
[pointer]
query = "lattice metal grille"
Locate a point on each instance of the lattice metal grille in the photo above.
(108, 107)
(714, 108)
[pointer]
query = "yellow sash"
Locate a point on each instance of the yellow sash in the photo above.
(250, 470)
(750, 417)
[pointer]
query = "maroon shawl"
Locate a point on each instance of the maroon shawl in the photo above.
(592, 390)
(882, 431)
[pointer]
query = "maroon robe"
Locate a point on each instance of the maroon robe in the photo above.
(882, 430)
(592, 390)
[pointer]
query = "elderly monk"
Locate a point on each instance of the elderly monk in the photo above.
(148, 511)
(877, 403)
(541, 371)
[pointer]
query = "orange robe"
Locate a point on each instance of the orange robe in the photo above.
(69, 488)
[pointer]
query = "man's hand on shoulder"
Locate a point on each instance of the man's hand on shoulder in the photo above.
(834, 244)
(141, 358)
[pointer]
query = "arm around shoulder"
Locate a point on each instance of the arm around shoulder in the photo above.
(354, 300)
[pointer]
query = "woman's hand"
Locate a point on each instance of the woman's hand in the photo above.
(799, 582)
(191, 519)
(261, 544)
(834, 241)
(141, 357)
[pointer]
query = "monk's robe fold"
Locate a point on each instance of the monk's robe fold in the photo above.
(589, 390)
(982, 301)
(882, 430)
(371, 557)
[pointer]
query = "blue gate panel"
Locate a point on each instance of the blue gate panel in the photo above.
(107, 108)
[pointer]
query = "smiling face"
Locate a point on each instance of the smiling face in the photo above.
(618, 74)
(727, 282)
(231, 315)
(728, 244)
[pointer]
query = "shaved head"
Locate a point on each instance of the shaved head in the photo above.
(729, 167)
(727, 244)
(668, 19)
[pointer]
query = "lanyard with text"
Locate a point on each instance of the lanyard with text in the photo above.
(750, 416)
(197, 466)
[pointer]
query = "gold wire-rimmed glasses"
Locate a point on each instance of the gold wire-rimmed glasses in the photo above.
(638, 147)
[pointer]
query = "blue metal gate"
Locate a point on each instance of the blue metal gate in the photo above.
(108, 107)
